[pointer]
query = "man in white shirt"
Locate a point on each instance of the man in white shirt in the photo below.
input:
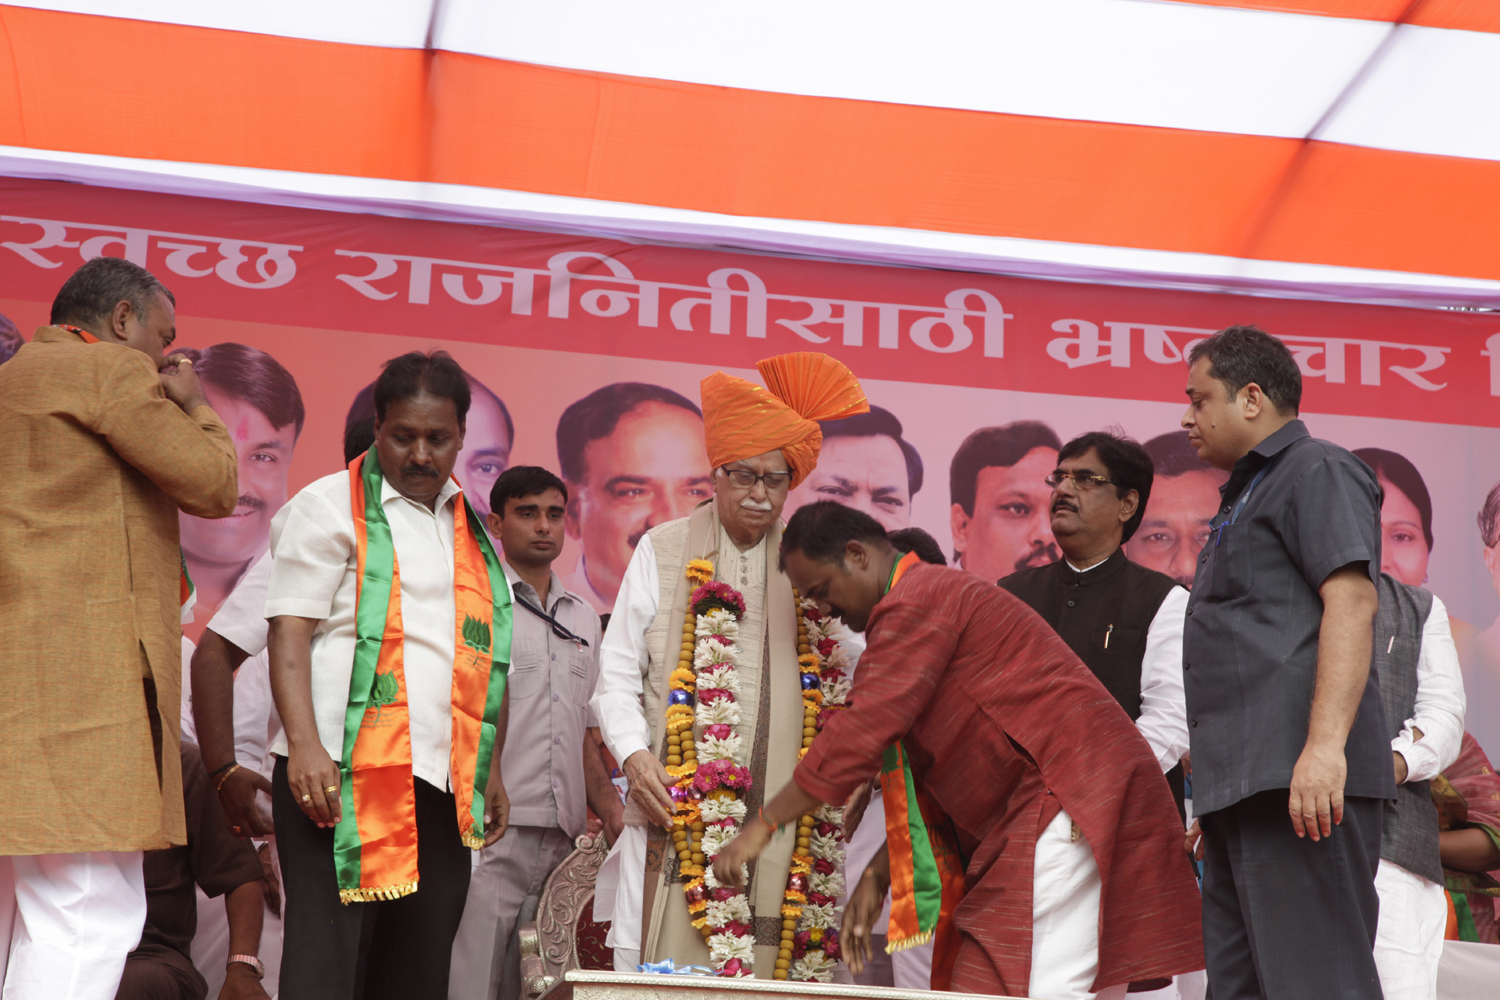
(1422, 692)
(233, 722)
(553, 766)
(398, 858)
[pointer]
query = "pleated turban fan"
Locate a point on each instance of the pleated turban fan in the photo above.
(742, 420)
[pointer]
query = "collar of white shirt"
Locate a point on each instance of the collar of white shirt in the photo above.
(450, 490)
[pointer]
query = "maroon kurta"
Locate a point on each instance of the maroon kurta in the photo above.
(1004, 726)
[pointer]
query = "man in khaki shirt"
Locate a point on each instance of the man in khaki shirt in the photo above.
(553, 768)
(99, 450)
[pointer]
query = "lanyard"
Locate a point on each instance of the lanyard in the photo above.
(1240, 504)
(558, 628)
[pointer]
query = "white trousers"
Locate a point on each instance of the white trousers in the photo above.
(1409, 936)
(1065, 918)
(67, 921)
(620, 891)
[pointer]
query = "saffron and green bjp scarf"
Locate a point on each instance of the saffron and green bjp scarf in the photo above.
(375, 840)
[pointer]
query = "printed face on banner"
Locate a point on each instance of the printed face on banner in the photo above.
(261, 407)
(1403, 547)
(486, 451)
(652, 468)
(866, 473)
(1010, 528)
(1174, 528)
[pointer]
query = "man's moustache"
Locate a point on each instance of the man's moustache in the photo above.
(1064, 505)
(1041, 554)
(761, 505)
(254, 503)
(419, 470)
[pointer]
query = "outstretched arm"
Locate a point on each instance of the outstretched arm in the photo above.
(212, 678)
(789, 805)
(245, 907)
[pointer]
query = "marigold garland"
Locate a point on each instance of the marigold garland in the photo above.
(700, 721)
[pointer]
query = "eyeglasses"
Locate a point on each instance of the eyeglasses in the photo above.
(1082, 481)
(745, 479)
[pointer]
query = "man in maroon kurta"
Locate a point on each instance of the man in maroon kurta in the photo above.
(1004, 728)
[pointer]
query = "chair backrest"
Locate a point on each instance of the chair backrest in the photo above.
(566, 904)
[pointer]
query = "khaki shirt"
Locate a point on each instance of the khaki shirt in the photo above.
(549, 683)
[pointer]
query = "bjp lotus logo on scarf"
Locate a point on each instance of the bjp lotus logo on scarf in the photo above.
(477, 637)
(382, 693)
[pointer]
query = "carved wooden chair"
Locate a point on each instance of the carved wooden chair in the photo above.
(564, 935)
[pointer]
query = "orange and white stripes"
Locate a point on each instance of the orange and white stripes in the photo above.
(1350, 145)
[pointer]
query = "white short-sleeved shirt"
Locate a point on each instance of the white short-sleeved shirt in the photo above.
(314, 576)
(241, 619)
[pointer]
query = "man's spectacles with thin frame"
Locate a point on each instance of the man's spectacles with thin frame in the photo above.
(745, 479)
(1083, 481)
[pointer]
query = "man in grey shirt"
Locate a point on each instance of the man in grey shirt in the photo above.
(554, 767)
(1291, 760)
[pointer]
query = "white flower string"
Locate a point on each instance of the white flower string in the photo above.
(708, 760)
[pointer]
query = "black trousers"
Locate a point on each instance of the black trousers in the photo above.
(398, 949)
(1286, 918)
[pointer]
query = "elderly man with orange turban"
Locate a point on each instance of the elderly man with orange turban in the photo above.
(712, 680)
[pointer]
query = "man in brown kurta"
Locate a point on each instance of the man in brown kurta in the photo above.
(1006, 731)
(98, 452)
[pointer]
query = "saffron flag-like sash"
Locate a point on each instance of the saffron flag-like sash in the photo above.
(927, 869)
(187, 593)
(375, 840)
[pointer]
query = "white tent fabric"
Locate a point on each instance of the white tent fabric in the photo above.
(1236, 81)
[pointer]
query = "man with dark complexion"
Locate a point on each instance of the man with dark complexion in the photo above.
(1058, 813)
(378, 917)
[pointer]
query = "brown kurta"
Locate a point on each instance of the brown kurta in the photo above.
(1005, 726)
(95, 462)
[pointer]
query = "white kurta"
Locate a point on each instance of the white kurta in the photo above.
(1414, 911)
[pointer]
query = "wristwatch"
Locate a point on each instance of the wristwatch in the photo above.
(250, 960)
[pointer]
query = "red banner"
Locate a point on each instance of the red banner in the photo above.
(571, 293)
(591, 351)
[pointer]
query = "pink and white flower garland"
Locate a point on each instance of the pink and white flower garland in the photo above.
(709, 760)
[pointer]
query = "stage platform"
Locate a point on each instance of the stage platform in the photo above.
(578, 984)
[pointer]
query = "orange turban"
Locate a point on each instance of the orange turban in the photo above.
(742, 420)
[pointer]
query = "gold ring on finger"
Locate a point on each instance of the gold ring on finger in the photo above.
(306, 797)
(331, 790)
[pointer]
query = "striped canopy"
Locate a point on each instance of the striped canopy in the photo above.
(1339, 148)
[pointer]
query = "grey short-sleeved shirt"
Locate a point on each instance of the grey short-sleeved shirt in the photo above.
(549, 683)
(1250, 648)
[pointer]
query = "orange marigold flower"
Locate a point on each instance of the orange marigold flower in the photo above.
(700, 571)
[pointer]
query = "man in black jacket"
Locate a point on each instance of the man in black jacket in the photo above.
(1123, 620)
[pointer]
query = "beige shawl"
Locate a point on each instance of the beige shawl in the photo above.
(771, 724)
